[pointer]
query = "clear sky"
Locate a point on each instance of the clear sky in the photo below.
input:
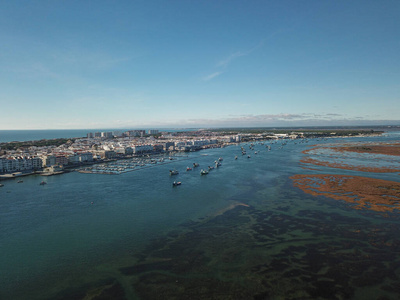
(134, 64)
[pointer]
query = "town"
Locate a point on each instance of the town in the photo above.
(59, 155)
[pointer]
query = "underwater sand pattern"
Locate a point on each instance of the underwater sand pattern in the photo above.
(248, 253)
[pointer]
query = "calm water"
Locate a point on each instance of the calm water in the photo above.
(145, 239)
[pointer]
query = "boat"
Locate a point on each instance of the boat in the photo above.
(195, 165)
(19, 181)
(173, 172)
(220, 159)
(43, 183)
(248, 156)
(203, 172)
(236, 157)
(210, 168)
(176, 183)
(1, 185)
(188, 169)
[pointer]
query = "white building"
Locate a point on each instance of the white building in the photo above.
(48, 160)
(142, 148)
(13, 164)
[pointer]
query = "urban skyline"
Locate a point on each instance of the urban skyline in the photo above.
(180, 64)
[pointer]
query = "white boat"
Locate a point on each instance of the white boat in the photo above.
(176, 183)
(203, 172)
(173, 172)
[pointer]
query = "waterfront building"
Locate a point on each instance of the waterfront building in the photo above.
(48, 160)
(15, 164)
(158, 148)
(168, 146)
(124, 150)
(2, 165)
(138, 149)
(86, 157)
(73, 159)
(61, 160)
(77, 158)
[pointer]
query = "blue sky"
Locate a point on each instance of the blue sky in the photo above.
(135, 64)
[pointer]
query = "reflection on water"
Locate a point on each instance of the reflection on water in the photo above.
(241, 232)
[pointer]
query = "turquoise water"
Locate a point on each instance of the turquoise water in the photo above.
(81, 230)
(34, 135)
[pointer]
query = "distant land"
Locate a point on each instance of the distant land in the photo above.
(39, 134)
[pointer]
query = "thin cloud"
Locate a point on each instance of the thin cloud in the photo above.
(211, 76)
(225, 62)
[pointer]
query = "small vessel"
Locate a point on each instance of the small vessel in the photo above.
(210, 168)
(19, 181)
(236, 157)
(176, 183)
(173, 172)
(220, 159)
(248, 156)
(43, 183)
(188, 169)
(195, 165)
(1, 184)
(203, 172)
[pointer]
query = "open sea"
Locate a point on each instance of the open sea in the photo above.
(241, 232)
(34, 135)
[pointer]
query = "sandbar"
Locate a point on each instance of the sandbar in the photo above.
(363, 192)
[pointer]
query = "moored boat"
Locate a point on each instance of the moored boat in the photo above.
(43, 183)
(173, 172)
(203, 172)
(176, 183)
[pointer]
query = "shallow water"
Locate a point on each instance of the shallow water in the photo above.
(142, 238)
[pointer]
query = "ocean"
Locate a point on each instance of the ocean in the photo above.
(34, 135)
(241, 232)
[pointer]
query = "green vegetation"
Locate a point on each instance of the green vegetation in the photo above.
(41, 143)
